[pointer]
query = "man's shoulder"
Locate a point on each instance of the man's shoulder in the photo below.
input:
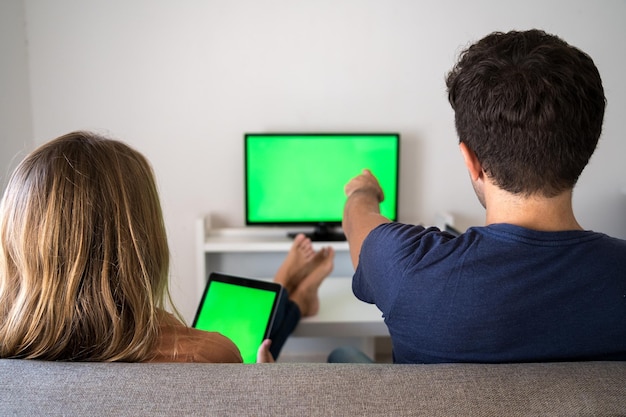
(395, 235)
(402, 230)
(564, 237)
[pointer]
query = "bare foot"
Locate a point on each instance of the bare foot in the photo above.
(295, 266)
(305, 295)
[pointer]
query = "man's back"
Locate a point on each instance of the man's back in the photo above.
(500, 293)
(528, 111)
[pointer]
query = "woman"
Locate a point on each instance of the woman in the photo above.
(84, 263)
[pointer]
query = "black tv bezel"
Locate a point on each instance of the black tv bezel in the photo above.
(315, 224)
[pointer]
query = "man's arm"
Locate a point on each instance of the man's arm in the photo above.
(361, 213)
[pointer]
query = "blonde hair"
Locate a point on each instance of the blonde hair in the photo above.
(84, 257)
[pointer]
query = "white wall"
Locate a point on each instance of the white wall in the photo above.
(182, 82)
(16, 136)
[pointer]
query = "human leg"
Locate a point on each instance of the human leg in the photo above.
(348, 354)
(305, 295)
(285, 321)
(297, 263)
(301, 275)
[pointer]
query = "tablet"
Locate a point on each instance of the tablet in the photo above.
(241, 309)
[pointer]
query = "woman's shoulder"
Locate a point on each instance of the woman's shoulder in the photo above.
(180, 343)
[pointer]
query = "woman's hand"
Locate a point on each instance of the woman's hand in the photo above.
(263, 355)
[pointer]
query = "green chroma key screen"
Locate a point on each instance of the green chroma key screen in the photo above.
(300, 178)
(240, 313)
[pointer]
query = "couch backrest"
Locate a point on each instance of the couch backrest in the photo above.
(561, 389)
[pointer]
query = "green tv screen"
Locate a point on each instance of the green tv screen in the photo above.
(300, 178)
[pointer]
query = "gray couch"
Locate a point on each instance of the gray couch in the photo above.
(34, 388)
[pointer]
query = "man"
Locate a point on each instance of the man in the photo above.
(532, 284)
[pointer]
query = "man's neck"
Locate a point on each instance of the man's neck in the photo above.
(532, 212)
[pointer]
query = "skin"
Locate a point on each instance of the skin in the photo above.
(362, 211)
(535, 212)
(301, 274)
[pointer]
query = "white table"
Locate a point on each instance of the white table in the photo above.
(341, 314)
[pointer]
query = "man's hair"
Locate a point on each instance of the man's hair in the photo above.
(84, 257)
(531, 107)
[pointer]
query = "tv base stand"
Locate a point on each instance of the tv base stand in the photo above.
(321, 235)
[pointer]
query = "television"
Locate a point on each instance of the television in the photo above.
(298, 179)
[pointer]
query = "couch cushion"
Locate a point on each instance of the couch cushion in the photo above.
(54, 388)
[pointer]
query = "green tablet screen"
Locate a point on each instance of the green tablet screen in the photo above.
(239, 308)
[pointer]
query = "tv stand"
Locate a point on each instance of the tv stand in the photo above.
(322, 233)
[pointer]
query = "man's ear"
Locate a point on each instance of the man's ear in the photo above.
(474, 166)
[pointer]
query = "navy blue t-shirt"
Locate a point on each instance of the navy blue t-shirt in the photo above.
(494, 294)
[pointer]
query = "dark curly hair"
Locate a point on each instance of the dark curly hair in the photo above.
(531, 107)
